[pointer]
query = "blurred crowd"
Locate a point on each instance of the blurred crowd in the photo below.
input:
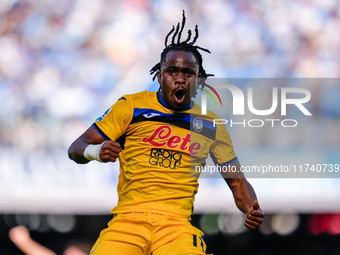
(63, 63)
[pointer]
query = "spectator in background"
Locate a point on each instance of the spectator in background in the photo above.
(20, 236)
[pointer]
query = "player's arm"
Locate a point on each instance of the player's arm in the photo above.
(244, 196)
(22, 239)
(92, 146)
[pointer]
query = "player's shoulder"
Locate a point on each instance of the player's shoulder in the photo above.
(143, 95)
(142, 99)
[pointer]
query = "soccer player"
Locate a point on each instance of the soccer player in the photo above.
(149, 132)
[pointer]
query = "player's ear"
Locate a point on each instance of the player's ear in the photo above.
(199, 78)
(159, 76)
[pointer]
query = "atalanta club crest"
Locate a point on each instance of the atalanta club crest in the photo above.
(198, 125)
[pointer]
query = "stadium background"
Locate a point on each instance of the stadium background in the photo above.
(63, 63)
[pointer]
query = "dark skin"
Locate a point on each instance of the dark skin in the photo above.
(244, 196)
(108, 153)
(177, 77)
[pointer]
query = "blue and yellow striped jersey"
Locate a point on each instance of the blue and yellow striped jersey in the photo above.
(160, 147)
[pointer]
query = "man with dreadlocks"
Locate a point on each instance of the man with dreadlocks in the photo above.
(149, 132)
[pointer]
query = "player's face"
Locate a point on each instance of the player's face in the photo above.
(178, 75)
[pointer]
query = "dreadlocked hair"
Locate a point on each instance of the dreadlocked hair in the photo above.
(177, 45)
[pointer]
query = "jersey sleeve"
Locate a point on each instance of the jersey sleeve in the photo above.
(222, 151)
(114, 122)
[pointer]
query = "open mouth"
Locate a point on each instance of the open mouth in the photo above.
(179, 95)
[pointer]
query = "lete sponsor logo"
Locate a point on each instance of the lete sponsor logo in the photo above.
(162, 137)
